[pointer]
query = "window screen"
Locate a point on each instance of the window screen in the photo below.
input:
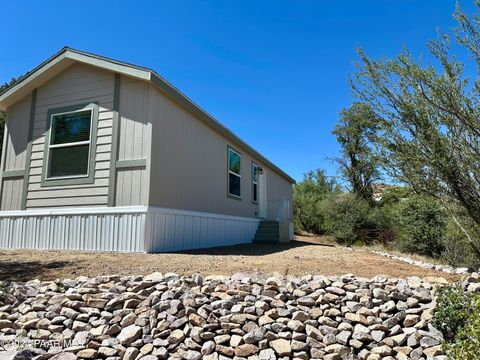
(234, 173)
(69, 145)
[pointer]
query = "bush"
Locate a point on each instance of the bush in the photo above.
(308, 195)
(466, 345)
(344, 215)
(453, 310)
(422, 224)
(458, 251)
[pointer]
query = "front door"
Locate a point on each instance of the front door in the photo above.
(262, 194)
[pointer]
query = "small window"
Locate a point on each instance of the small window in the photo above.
(255, 169)
(69, 144)
(234, 173)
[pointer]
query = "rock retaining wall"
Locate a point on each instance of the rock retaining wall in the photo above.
(241, 317)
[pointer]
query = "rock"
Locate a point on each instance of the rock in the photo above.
(208, 347)
(281, 347)
(190, 355)
(254, 336)
(64, 356)
(246, 350)
(267, 354)
(176, 336)
(411, 320)
(87, 354)
(130, 353)
(129, 334)
(426, 342)
(338, 349)
(104, 351)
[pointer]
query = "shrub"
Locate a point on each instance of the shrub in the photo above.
(344, 215)
(307, 196)
(454, 307)
(422, 223)
(458, 251)
(466, 345)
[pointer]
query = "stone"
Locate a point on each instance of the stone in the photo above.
(104, 351)
(281, 347)
(208, 347)
(64, 356)
(190, 355)
(87, 354)
(246, 350)
(267, 354)
(343, 337)
(254, 336)
(176, 336)
(129, 334)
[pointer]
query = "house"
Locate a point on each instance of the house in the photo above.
(103, 155)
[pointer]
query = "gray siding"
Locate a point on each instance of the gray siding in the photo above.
(189, 165)
(15, 149)
(185, 160)
(134, 142)
(77, 84)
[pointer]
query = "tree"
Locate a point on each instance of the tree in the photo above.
(356, 133)
(307, 196)
(430, 127)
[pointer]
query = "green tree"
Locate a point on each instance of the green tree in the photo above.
(422, 223)
(307, 196)
(356, 133)
(430, 127)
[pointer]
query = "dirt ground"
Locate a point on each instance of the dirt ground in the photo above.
(306, 255)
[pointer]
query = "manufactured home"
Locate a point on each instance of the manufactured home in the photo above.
(102, 155)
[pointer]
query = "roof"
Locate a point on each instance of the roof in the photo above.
(67, 56)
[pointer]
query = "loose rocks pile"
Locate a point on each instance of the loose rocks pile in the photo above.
(424, 265)
(239, 317)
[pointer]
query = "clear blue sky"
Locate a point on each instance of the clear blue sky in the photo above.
(274, 72)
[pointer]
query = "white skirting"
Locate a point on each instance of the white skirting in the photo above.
(122, 229)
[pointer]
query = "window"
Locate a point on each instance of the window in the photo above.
(255, 169)
(69, 144)
(234, 173)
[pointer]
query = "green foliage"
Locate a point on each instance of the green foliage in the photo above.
(458, 251)
(430, 118)
(458, 318)
(344, 215)
(422, 223)
(356, 132)
(467, 342)
(453, 310)
(307, 195)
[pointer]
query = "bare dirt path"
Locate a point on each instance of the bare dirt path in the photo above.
(306, 255)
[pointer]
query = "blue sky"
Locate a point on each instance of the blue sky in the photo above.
(274, 72)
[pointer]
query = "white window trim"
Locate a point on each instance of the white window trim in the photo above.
(73, 144)
(234, 173)
(254, 182)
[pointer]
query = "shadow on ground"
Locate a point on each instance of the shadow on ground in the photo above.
(254, 249)
(27, 270)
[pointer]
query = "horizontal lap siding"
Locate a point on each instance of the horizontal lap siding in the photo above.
(76, 85)
(133, 143)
